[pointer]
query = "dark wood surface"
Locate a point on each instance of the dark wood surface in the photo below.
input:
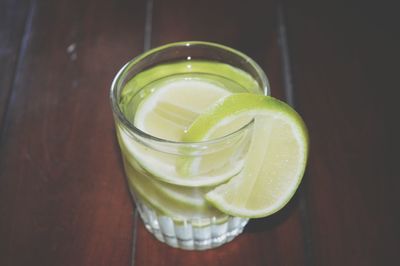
(63, 197)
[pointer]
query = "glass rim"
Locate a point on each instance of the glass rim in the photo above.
(133, 129)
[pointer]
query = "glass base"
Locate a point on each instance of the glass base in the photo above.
(186, 235)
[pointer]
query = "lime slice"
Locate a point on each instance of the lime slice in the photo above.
(173, 105)
(276, 159)
(212, 70)
(165, 111)
(168, 200)
(171, 168)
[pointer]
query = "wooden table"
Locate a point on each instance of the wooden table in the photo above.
(63, 197)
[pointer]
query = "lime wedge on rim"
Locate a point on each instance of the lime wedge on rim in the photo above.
(275, 162)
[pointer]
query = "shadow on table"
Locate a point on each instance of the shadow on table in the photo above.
(271, 222)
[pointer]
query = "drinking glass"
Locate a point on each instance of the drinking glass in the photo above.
(170, 198)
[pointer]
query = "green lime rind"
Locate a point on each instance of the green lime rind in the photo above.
(213, 198)
(234, 106)
(144, 78)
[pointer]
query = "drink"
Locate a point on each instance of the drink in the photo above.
(204, 147)
(167, 177)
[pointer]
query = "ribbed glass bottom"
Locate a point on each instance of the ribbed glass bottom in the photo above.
(188, 235)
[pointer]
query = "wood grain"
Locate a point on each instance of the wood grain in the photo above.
(345, 58)
(63, 197)
(13, 19)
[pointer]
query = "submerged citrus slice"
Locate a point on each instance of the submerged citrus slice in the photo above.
(173, 105)
(165, 111)
(178, 202)
(276, 158)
